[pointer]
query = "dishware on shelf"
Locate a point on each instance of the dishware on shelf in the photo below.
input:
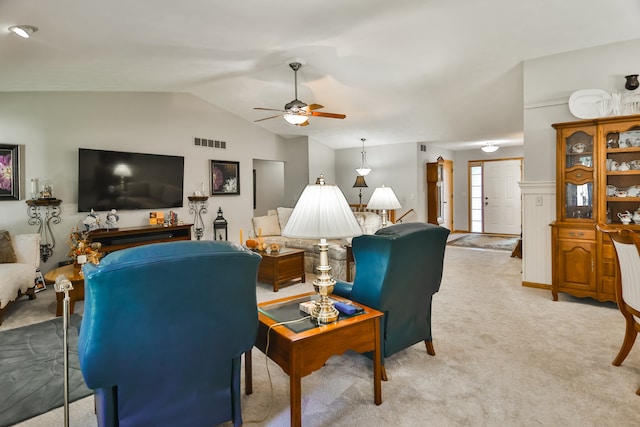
(634, 164)
(578, 148)
(624, 166)
(621, 193)
(584, 103)
(616, 103)
(636, 216)
(633, 191)
(611, 190)
(625, 217)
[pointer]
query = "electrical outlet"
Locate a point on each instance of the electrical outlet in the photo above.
(538, 200)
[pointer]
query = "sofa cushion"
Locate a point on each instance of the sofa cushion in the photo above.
(283, 216)
(369, 222)
(7, 255)
(268, 224)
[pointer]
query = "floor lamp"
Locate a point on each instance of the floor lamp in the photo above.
(63, 284)
(383, 198)
(360, 184)
(322, 212)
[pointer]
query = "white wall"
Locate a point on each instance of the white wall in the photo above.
(52, 126)
(548, 83)
(394, 166)
(321, 161)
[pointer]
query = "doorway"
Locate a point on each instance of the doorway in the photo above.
(494, 196)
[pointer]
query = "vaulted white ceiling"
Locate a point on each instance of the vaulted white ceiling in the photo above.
(402, 71)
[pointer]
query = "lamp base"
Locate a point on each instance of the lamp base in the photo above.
(324, 312)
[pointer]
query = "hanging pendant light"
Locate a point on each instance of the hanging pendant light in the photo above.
(364, 169)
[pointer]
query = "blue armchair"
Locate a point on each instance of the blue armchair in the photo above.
(398, 270)
(163, 332)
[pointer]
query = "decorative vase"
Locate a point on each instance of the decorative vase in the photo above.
(632, 82)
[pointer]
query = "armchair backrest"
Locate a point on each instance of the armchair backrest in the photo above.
(163, 330)
(627, 245)
(398, 270)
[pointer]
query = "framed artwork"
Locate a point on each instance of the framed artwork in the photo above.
(10, 172)
(225, 177)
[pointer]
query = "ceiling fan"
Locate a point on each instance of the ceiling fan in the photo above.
(297, 112)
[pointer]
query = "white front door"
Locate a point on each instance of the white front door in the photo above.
(501, 193)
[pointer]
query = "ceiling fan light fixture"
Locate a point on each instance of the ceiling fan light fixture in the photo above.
(23, 31)
(364, 169)
(490, 147)
(295, 119)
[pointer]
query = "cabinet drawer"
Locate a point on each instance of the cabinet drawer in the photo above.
(568, 233)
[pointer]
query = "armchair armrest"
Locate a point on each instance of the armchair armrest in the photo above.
(343, 289)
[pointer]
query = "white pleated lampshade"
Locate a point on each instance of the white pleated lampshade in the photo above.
(383, 198)
(322, 212)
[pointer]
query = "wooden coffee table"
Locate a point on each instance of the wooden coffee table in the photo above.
(77, 280)
(281, 267)
(301, 353)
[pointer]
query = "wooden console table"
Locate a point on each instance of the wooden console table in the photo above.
(281, 267)
(127, 237)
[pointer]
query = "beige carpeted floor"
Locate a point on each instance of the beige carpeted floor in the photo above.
(505, 356)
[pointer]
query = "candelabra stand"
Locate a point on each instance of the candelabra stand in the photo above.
(64, 285)
(197, 206)
(43, 212)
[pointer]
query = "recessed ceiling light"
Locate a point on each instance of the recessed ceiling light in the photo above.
(23, 31)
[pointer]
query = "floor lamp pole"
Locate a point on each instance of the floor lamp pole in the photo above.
(64, 285)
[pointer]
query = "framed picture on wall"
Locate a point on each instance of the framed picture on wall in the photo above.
(225, 177)
(10, 178)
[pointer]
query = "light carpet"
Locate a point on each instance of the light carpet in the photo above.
(505, 356)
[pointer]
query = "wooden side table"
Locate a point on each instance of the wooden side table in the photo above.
(301, 353)
(281, 267)
(77, 280)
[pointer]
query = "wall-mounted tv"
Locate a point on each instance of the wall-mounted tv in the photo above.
(120, 180)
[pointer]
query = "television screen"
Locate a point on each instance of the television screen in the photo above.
(119, 180)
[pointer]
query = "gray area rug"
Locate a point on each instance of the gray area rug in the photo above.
(32, 369)
(484, 241)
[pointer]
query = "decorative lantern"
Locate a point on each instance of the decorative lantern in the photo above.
(219, 227)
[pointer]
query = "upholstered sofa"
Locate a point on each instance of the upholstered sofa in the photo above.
(19, 260)
(270, 226)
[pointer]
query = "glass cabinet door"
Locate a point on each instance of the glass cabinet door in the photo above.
(578, 174)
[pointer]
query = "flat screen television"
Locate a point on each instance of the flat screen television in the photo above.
(124, 181)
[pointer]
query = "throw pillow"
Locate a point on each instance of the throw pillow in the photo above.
(268, 224)
(283, 216)
(7, 255)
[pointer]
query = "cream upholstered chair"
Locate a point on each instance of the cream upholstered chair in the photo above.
(627, 246)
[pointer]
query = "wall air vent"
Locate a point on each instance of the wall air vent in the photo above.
(423, 147)
(210, 143)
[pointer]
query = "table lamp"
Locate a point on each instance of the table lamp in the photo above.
(322, 212)
(383, 198)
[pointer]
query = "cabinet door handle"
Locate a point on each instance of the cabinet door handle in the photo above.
(574, 234)
(579, 174)
(592, 265)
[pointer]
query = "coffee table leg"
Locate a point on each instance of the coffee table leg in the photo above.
(295, 398)
(248, 373)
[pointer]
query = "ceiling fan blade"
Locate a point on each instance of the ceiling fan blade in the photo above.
(267, 118)
(313, 107)
(329, 115)
(267, 109)
(304, 124)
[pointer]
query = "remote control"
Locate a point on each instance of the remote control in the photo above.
(347, 307)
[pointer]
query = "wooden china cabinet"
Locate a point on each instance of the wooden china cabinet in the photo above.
(598, 169)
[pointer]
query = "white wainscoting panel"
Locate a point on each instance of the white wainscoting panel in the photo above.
(538, 211)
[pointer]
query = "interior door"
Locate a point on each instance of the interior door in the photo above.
(447, 194)
(501, 194)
